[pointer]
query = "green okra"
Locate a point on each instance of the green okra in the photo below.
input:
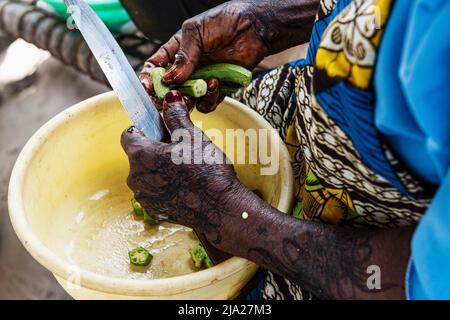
(140, 256)
(208, 262)
(200, 257)
(150, 220)
(160, 88)
(196, 86)
(140, 211)
(224, 72)
(227, 90)
(193, 88)
(137, 208)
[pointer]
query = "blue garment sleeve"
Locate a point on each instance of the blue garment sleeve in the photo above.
(429, 269)
(412, 83)
(425, 76)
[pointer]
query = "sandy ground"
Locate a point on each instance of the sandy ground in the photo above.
(33, 88)
(26, 105)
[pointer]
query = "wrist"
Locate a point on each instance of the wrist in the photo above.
(282, 25)
(241, 212)
(231, 203)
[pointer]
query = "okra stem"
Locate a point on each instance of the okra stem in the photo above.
(193, 88)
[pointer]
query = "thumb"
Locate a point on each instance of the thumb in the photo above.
(133, 140)
(144, 76)
(188, 55)
(175, 112)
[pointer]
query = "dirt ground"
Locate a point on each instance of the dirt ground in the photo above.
(25, 105)
(33, 88)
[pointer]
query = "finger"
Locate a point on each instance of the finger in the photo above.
(157, 101)
(166, 53)
(213, 84)
(190, 102)
(133, 140)
(153, 208)
(144, 76)
(188, 55)
(148, 67)
(243, 51)
(209, 102)
(147, 83)
(146, 80)
(175, 112)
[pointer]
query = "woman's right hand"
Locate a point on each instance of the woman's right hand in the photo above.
(226, 33)
(242, 32)
(223, 34)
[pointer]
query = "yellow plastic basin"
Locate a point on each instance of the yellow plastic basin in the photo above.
(76, 157)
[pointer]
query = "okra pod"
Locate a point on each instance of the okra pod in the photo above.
(200, 257)
(140, 211)
(140, 256)
(224, 72)
(160, 88)
(193, 88)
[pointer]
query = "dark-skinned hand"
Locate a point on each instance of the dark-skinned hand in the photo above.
(329, 261)
(242, 32)
(208, 198)
(193, 193)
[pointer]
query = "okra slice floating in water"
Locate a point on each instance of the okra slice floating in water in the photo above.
(137, 208)
(200, 257)
(150, 220)
(140, 256)
(140, 211)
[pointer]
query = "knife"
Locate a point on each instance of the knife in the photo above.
(125, 83)
(117, 70)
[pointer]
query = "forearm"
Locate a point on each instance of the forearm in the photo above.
(330, 261)
(283, 24)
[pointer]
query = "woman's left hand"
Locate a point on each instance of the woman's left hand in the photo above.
(330, 261)
(193, 193)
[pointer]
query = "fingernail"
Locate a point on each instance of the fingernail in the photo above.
(174, 96)
(213, 83)
(190, 102)
(148, 66)
(146, 83)
(131, 129)
(169, 74)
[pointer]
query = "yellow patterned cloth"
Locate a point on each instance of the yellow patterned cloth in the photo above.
(314, 104)
(349, 45)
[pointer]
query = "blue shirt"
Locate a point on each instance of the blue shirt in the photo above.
(412, 81)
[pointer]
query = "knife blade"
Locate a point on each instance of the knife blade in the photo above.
(125, 83)
(117, 69)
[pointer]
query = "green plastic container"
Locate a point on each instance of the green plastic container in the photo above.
(112, 13)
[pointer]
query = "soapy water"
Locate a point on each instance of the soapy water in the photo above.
(94, 226)
(96, 231)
